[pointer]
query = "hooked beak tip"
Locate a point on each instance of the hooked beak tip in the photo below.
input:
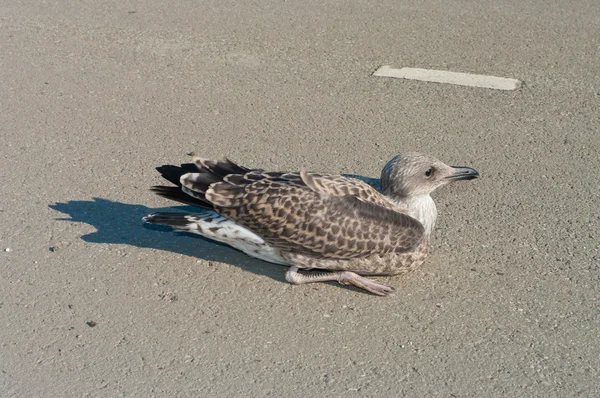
(463, 173)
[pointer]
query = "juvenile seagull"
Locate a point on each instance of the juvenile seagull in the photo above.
(338, 226)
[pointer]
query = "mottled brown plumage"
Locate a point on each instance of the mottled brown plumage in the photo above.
(316, 221)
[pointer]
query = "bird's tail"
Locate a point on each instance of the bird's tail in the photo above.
(205, 223)
(216, 227)
(209, 224)
(179, 221)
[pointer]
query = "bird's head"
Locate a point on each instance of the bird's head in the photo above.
(414, 174)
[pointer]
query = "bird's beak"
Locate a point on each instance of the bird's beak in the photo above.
(462, 173)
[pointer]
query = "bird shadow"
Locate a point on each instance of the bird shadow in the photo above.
(121, 223)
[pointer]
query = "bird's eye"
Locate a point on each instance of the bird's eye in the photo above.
(428, 172)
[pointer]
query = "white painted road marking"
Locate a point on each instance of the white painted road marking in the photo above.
(440, 76)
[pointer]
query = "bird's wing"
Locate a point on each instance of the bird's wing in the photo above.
(318, 215)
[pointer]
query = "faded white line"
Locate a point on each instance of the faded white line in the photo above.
(440, 76)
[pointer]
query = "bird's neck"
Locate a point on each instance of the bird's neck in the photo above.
(421, 207)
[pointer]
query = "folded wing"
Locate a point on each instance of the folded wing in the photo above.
(317, 215)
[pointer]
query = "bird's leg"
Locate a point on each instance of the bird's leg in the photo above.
(344, 277)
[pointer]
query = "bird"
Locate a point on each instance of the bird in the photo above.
(324, 227)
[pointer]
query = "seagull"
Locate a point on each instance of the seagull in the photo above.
(323, 227)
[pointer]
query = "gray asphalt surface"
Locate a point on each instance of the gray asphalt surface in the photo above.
(95, 94)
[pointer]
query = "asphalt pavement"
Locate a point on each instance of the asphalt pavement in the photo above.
(95, 94)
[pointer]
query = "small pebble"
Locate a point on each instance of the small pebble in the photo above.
(91, 324)
(8, 249)
(191, 153)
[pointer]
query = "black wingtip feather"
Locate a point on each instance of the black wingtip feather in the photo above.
(232, 168)
(173, 173)
(199, 182)
(221, 168)
(210, 172)
(176, 194)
